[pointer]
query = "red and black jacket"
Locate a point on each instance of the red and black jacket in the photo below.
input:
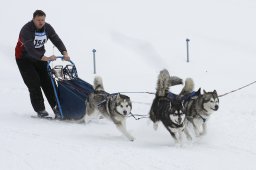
(25, 45)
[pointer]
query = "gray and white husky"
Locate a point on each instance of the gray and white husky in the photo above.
(116, 107)
(167, 109)
(199, 107)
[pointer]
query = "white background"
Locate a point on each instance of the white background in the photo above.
(134, 41)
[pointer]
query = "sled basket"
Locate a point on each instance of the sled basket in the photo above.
(71, 92)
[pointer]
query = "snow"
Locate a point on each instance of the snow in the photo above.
(134, 41)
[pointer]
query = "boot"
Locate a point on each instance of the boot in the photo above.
(42, 113)
(56, 112)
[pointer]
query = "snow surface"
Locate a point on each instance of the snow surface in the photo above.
(134, 41)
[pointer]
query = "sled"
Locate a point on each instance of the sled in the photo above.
(70, 91)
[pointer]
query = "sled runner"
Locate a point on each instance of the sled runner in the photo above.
(70, 91)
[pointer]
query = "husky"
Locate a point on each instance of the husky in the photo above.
(115, 107)
(199, 107)
(166, 109)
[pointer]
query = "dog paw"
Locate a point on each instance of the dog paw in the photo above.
(81, 121)
(86, 121)
(197, 134)
(155, 126)
(203, 133)
(101, 117)
(178, 144)
(189, 138)
(131, 138)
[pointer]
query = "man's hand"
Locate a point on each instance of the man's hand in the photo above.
(65, 56)
(51, 58)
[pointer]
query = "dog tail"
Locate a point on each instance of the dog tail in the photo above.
(188, 87)
(98, 84)
(175, 80)
(164, 81)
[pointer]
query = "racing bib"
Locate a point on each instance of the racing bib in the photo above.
(40, 39)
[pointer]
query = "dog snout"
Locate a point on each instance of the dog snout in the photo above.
(125, 112)
(179, 119)
(216, 107)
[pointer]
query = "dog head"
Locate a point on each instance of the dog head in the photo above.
(177, 114)
(210, 101)
(123, 105)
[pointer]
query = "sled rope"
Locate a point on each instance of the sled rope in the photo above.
(218, 96)
(138, 92)
(138, 116)
(237, 89)
(141, 103)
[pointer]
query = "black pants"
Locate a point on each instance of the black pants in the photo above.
(35, 76)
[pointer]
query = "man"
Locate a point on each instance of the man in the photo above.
(32, 62)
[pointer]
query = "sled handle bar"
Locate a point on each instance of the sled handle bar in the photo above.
(61, 57)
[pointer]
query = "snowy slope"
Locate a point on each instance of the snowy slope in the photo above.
(134, 41)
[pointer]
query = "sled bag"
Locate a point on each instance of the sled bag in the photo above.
(72, 96)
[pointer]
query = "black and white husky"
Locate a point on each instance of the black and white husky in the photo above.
(166, 109)
(199, 107)
(116, 107)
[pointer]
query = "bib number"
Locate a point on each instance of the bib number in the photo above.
(40, 39)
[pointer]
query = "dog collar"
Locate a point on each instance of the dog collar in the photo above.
(204, 119)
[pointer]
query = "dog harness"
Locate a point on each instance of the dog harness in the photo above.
(106, 96)
(204, 119)
(185, 99)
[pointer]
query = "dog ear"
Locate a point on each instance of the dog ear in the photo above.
(118, 96)
(130, 103)
(205, 92)
(198, 91)
(215, 92)
(170, 105)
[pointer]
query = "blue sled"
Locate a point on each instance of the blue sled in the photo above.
(71, 92)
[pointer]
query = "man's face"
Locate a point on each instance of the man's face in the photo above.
(39, 21)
